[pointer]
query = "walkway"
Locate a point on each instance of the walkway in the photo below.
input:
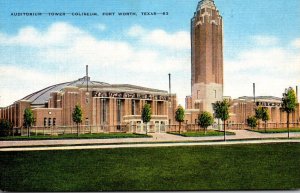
(158, 139)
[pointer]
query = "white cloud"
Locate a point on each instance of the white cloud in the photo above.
(17, 82)
(61, 52)
(272, 69)
(136, 31)
(262, 40)
(58, 34)
(296, 43)
(178, 40)
(64, 50)
(100, 27)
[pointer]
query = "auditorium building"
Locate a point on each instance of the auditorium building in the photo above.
(106, 107)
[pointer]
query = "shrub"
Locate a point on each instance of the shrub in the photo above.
(5, 128)
(252, 122)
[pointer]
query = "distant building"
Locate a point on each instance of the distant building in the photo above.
(243, 107)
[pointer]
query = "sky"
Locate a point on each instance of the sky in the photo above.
(261, 45)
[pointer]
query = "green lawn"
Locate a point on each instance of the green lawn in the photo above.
(276, 130)
(74, 136)
(202, 133)
(228, 167)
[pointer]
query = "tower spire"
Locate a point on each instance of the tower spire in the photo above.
(202, 3)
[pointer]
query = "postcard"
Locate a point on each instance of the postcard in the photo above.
(149, 95)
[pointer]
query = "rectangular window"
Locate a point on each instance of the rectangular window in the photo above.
(49, 122)
(133, 112)
(45, 122)
(137, 107)
(54, 121)
(103, 111)
(159, 109)
(198, 94)
(119, 111)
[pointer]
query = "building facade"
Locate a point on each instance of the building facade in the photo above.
(244, 107)
(106, 107)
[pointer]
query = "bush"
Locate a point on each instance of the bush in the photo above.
(252, 122)
(5, 128)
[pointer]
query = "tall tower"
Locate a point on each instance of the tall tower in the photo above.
(206, 56)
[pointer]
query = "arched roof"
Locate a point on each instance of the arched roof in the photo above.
(41, 96)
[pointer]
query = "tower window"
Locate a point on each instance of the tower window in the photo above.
(198, 94)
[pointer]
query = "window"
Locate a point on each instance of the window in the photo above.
(49, 122)
(119, 111)
(133, 107)
(215, 92)
(198, 94)
(45, 122)
(54, 121)
(159, 109)
(103, 111)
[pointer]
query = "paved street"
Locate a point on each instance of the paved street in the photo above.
(164, 139)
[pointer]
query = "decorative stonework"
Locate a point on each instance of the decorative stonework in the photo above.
(129, 95)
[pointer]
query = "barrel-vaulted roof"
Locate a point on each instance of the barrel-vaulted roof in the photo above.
(42, 96)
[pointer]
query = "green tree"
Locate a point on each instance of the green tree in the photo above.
(266, 117)
(146, 115)
(259, 113)
(217, 106)
(179, 116)
(252, 122)
(5, 127)
(289, 103)
(205, 120)
(28, 119)
(221, 109)
(77, 117)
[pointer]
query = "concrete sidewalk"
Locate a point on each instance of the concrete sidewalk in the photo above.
(156, 138)
(111, 146)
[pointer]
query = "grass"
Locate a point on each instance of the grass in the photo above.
(74, 136)
(229, 167)
(275, 130)
(202, 133)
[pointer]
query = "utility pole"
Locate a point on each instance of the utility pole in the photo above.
(170, 99)
(297, 93)
(254, 93)
(87, 77)
(169, 84)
